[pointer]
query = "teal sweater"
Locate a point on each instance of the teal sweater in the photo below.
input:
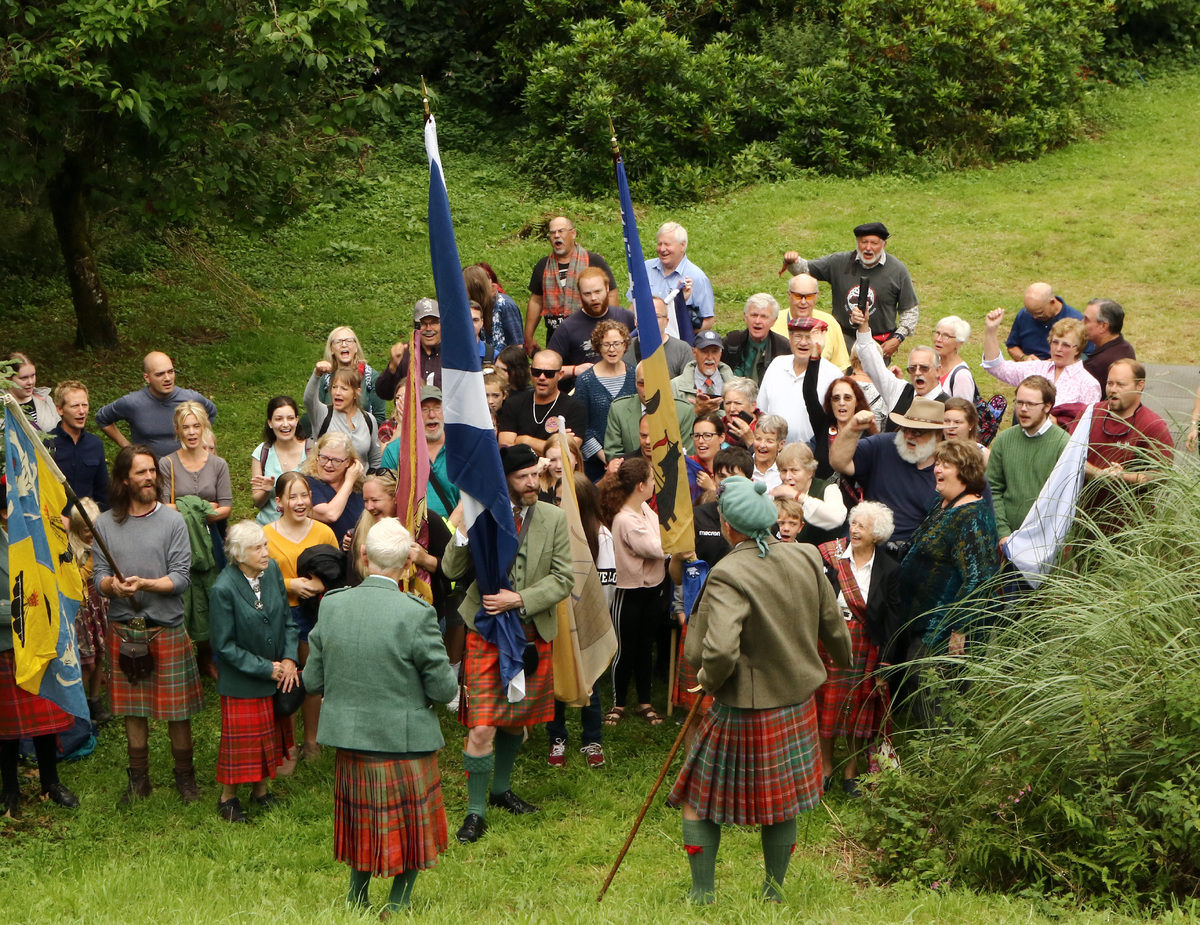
(1017, 470)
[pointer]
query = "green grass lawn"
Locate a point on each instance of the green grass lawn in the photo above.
(245, 319)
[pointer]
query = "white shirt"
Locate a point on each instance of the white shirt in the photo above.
(771, 476)
(861, 575)
(782, 393)
(1046, 425)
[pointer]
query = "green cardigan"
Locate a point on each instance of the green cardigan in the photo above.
(247, 640)
(378, 658)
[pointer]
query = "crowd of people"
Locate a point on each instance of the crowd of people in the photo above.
(850, 510)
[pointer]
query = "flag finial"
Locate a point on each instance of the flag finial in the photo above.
(425, 97)
(613, 133)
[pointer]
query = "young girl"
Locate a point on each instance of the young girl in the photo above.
(91, 620)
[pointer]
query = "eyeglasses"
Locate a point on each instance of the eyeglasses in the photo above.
(329, 460)
(697, 435)
(919, 368)
(543, 373)
(1028, 404)
(613, 345)
(344, 341)
(429, 323)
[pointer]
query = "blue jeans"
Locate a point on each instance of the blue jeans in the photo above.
(589, 715)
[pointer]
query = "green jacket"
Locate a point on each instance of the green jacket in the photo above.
(543, 572)
(204, 571)
(624, 416)
(377, 657)
(247, 640)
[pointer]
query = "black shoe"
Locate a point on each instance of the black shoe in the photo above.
(267, 801)
(826, 784)
(231, 811)
(61, 795)
(850, 787)
(10, 803)
(511, 802)
(473, 827)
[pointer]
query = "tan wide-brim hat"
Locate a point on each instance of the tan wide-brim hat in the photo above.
(922, 414)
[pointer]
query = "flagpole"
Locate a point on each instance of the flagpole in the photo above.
(43, 455)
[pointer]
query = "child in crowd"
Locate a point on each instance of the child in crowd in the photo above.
(791, 519)
(91, 620)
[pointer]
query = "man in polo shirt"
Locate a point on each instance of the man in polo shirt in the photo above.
(672, 270)
(1104, 320)
(1029, 337)
(891, 300)
(782, 386)
(703, 380)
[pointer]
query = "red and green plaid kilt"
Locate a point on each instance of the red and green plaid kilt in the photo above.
(849, 702)
(22, 714)
(485, 703)
(173, 691)
(90, 626)
(388, 815)
(685, 679)
(254, 741)
(752, 767)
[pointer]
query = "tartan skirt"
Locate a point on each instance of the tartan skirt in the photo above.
(484, 701)
(685, 679)
(22, 714)
(388, 815)
(752, 767)
(173, 691)
(254, 741)
(849, 703)
(90, 626)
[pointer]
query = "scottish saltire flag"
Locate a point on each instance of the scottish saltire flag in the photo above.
(472, 453)
(46, 586)
(412, 469)
(666, 449)
(1036, 544)
(586, 640)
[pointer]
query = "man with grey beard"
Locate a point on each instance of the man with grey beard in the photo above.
(894, 469)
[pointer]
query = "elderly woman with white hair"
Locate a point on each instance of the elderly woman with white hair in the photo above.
(852, 702)
(741, 411)
(954, 374)
(256, 639)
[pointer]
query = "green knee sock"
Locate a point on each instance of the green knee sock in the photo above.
(360, 884)
(778, 841)
(701, 839)
(401, 894)
(479, 779)
(506, 748)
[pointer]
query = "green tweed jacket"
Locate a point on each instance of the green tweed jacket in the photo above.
(624, 416)
(377, 657)
(247, 640)
(753, 634)
(543, 572)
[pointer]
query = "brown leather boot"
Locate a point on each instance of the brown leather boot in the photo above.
(185, 783)
(139, 786)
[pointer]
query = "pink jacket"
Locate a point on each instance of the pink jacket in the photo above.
(638, 547)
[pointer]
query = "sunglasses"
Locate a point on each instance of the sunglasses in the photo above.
(919, 369)
(543, 373)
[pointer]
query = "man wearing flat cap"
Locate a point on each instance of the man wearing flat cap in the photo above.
(782, 384)
(891, 300)
(541, 576)
(753, 638)
(894, 469)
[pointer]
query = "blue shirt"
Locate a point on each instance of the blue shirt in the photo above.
(662, 283)
(1032, 336)
(82, 464)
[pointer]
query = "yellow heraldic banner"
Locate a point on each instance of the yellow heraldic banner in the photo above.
(46, 586)
(586, 640)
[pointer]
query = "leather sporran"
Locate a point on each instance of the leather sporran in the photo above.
(135, 660)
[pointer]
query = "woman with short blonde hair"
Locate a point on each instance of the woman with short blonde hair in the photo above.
(343, 351)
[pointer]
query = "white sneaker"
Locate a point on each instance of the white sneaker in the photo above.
(452, 706)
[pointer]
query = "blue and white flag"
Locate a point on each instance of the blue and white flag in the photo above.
(472, 453)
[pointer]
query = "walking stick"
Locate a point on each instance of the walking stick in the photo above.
(692, 714)
(671, 671)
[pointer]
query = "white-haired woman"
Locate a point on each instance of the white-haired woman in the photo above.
(741, 411)
(770, 435)
(852, 702)
(948, 337)
(256, 639)
(343, 351)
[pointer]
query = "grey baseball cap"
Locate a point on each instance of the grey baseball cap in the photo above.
(426, 308)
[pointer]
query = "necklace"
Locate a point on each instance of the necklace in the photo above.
(548, 410)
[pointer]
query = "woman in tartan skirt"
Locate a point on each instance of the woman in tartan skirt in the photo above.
(852, 701)
(377, 658)
(256, 638)
(753, 640)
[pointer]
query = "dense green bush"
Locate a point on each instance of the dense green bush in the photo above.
(1072, 768)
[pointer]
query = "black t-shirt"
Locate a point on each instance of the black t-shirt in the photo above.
(710, 545)
(594, 260)
(572, 339)
(517, 415)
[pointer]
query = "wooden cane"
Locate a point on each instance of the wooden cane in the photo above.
(671, 672)
(692, 714)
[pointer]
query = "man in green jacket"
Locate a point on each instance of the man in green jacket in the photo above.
(541, 576)
(753, 637)
(378, 659)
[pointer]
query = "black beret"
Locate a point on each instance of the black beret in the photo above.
(517, 457)
(876, 228)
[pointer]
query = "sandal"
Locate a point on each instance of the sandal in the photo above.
(648, 714)
(614, 716)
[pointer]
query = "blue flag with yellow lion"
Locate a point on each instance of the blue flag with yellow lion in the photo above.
(46, 587)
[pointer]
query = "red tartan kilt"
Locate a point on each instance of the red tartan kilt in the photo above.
(91, 624)
(685, 679)
(848, 703)
(485, 703)
(254, 741)
(752, 767)
(172, 692)
(388, 815)
(22, 714)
